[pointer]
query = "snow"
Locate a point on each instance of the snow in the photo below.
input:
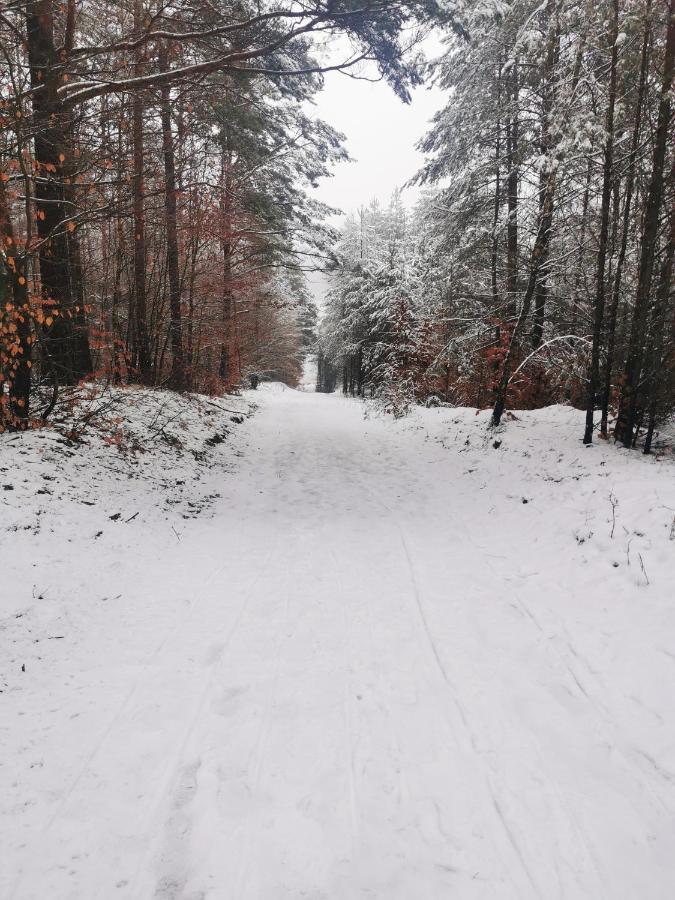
(378, 659)
(309, 373)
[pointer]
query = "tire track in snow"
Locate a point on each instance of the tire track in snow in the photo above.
(451, 687)
(365, 794)
(164, 795)
(348, 716)
(595, 696)
(252, 819)
(449, 683)
(140, 684)
(183, 620)
(630, 753)
(396, 766)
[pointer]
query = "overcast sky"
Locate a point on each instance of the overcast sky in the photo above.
(381, 134)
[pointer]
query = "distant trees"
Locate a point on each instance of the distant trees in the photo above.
(543, 252)
(155, 163)
(375, 330)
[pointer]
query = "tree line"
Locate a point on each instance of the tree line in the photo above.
(537, 266)
(157, 161)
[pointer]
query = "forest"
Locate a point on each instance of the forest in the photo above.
(537, 267)
(157, 166)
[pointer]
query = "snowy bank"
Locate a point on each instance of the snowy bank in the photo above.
(90, 511)
(335, 655)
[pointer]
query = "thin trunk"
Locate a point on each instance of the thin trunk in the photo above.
(547, 141)
(607, 178)
(628, 408)
(177, 377)
(226, 369)
(628, 191)
(539, 253)
(512, 139)
(65, 339)
(582, 246)
(15, 365)
(495, 214)
(140, 322)
(656, 332)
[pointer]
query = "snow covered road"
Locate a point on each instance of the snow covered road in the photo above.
(397, 663)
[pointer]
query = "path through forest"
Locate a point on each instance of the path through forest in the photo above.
(398, 676)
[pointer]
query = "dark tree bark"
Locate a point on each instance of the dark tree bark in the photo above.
(14, 294)
(547, 140)
(628, 192)
(582, 245)
(226, 367)
(65, 339)
(177, 376)
(512, 179)
(539, 255)
(141, 343)
(605, 206)
(655, 364)
(496, 207)
(628, 406)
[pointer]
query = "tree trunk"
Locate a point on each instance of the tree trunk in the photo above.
(512, 138)
(541, 242)
(582, 247)
(177, 376)
(140, 321)
(547, 141)
(607, 177)
(538, 254)
(656, 331)
(628, 191)
(628, 407)
(497, 204)
(227, 348)
(65, 338)
(541, 287)
(14, 310)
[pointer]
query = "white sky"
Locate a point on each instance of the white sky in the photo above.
(381, 134)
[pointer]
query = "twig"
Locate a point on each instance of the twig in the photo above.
(564, 337)
(47, 411)
(224, 408)
(615, 502)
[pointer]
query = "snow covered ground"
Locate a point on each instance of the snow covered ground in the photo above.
(335, 656)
